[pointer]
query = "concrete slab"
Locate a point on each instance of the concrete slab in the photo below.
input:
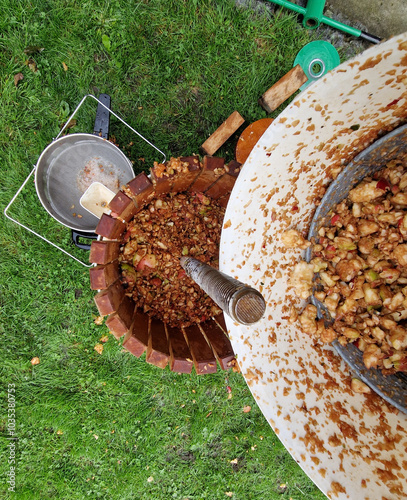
(383, 18)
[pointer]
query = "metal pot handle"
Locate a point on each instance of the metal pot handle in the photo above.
(81, 234)
(102, 120)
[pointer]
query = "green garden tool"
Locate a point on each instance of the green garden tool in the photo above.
(316, 59)
(313, 17)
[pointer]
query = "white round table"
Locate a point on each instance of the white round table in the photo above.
(353, 446)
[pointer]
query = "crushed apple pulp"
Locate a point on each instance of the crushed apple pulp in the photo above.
(166, 229)
(360, 261)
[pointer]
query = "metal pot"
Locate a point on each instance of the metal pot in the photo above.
(68, 166)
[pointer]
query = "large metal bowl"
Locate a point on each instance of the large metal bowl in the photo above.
(392, 388)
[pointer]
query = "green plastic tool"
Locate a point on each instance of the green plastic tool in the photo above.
(313, 17)
(317, 58)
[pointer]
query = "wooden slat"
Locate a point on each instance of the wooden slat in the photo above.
(220, 320)
(221, 187)
(103, 252)
(136, 339)
(107, 301)
(202, 354)
(158, 352)
(102, 276)
(184, 179)
(213, 167)
(140, 189)
(222, 133)
(180, 355)
(283, 89)
(162, 180)
(122, 206)
(233, 168)
(220, 343)
(110, 228)
(120, 321)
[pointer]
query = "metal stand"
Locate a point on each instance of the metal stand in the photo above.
(101, 105)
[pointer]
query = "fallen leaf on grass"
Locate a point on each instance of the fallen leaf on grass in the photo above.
(32, 65)
(229, 494)
(65, 66)
(234, 461)
(72, 123)
(99, 348)
(17, 78)
(246, 409)
(95, 436)
(35, 361)
(229, 389)
(150, 479)
(105, 338)
(59, 432)
(98, 320)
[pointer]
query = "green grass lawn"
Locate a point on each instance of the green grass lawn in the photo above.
(109, 425)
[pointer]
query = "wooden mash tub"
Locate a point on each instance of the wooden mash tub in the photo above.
(201, 345)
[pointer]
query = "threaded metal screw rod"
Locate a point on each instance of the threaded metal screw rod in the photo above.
(241, 302)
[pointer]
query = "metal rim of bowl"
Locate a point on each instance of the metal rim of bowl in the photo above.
(392, 388)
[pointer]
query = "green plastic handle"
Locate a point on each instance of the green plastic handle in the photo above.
(313, 17)
(313, 14)
(341, 26)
